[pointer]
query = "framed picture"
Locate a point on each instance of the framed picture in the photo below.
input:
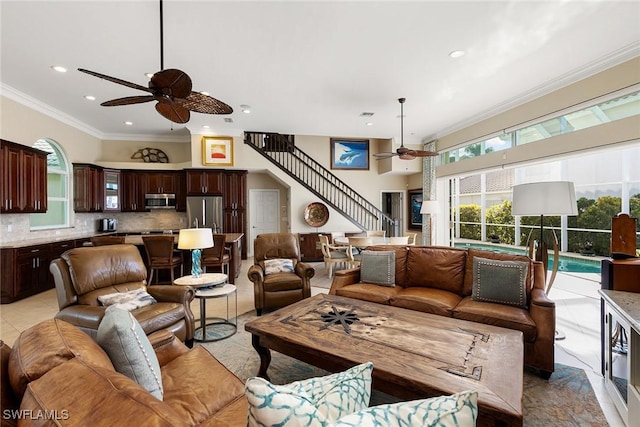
(217, 150)
(350, 154)
(415, 203)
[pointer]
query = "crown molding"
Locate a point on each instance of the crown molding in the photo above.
(41, 107)
(46, 109)
(617, 57)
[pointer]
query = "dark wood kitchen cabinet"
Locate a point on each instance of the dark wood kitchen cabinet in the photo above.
(88, 188)
(162, 182)
(235, 201)
(25, 270)
(203, 182)
(134, 187)
(23, 185)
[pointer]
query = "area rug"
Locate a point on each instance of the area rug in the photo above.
(567, 399)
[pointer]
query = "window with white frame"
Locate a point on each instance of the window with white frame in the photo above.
(57, 215)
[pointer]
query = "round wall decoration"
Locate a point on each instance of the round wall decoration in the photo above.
(316, 214)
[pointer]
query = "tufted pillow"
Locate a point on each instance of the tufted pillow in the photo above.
(128, 300)
(378, 267)
(278, 265)
(502, 282)
(122, 338)
(459, 409)
(309, 403)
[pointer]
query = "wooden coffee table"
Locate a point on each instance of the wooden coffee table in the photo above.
(415, 355)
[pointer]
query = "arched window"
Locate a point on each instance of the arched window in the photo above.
(57, 215)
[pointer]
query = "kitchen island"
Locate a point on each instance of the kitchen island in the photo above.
(233, 242)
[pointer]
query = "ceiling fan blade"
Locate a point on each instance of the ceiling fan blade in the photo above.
(171, 82)
(203, 104)
(115, 80)
(421, 153)
(407, 156)
(173, 112)
(384, 155)
(128, 100)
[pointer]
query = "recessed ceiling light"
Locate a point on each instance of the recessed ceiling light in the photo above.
(149, 74)
(205, 93)
(245, 108)
(59, 68)
(369, 124)
(456, 53)
(205, 126)
(128, 123)
(90, 97)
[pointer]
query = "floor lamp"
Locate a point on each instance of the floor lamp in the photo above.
(430, 207)
(195, 239)
(551, 198)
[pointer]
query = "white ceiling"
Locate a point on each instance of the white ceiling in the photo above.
(309, 68)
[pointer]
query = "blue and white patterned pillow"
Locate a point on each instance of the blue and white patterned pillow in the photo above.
(315, 402)
(129, 300)
(278, 265)
(457, 410)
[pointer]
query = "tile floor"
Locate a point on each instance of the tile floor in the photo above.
(577, 311)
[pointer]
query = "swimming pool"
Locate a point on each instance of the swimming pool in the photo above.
(567, 264)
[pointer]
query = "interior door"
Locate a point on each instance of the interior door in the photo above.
(264, 214)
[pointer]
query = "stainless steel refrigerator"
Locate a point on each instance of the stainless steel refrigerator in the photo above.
(205, 212)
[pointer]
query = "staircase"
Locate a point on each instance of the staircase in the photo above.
(281, 151)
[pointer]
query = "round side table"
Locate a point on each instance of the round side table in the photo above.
(212, 285)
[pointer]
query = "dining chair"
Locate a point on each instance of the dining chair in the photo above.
(399, 240)
(217, 256)
(376, 233)
(161, 255)
(333, 254)
(412, 238)
(356, 245)
(107, 240)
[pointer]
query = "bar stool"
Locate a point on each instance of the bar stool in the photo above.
(216, 256)
(161, 255)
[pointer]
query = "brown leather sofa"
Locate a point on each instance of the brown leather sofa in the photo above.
(279, 289)
(83, 274)
(55, 374)
(439, 280)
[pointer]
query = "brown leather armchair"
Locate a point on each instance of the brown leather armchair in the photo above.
(282, 288)
(82, 274)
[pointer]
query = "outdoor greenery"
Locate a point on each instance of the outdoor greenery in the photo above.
(592, 215)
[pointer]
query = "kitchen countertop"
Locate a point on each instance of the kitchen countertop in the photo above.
(627, 303)
(51, 239)
(136, 239)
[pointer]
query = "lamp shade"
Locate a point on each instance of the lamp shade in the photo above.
(430, 207)
(544, 198)
(195, 238)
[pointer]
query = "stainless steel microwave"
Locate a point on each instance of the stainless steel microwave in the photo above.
(160, 201)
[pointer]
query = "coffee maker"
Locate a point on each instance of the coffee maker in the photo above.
(108, 224)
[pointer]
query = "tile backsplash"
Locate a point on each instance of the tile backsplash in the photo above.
(15, 227)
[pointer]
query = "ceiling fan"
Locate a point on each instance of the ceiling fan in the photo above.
(403, 152)
(171, 88)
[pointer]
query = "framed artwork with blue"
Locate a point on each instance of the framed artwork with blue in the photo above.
(350, 154)
(415, 203)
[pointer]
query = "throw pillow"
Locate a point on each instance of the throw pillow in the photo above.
(378, 267)
(460, 409)
(272, 266)
(309, 403)
(502, 282)
(128, 300)
(130, 351)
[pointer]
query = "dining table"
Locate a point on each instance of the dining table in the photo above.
(375, 240)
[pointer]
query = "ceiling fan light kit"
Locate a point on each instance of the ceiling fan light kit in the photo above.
(171, 88)
(403, 152)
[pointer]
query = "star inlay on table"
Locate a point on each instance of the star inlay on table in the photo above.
(339, 317)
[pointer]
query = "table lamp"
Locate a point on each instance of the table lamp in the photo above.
(195, 239)
(551, 198)
(430, 207)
